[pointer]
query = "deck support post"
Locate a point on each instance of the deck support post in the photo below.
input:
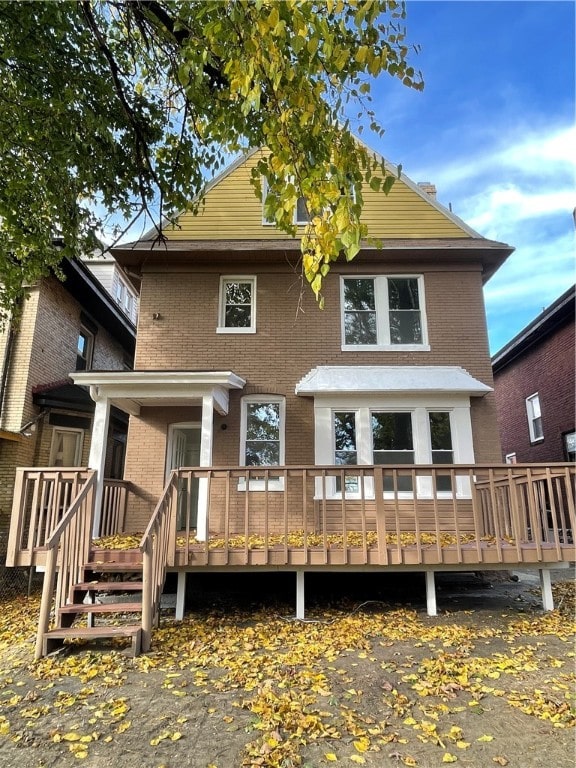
(180, 596)
(430, 594)
(300, 594)
(546, 586)
(206, 438)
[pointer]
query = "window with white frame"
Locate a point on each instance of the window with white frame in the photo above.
(399, 435)
(66, 447)
(534, 418)
(237, 310)
(262, 437)
(383, 312)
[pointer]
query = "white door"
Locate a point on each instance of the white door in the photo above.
(184, 451)
(66, 448)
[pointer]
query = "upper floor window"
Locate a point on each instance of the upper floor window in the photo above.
(384, 312)
(534, 418)
(237, 311)
(302, 214)
(84, 350)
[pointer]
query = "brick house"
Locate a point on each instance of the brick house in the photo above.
(265, 433)
(45, 419)
(534, 386)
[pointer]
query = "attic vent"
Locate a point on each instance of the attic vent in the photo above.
(428, 187)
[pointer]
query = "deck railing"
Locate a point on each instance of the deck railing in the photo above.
(67, 550)
(282, 508)
(41, 497)
(158, 550)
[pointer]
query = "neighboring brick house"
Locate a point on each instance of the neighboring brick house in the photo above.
(105, 269)
(535, 387)
(45, 419)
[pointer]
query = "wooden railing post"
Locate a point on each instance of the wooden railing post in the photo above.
(46, 602)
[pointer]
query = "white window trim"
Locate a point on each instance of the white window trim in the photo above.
(458, 406)
(79, 444)
(90, 337)
(531, 417)
(295, 220)
(221, 328)
(510, 458)
(382, 317)
(274, 483)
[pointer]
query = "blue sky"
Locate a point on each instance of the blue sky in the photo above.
(494, 130)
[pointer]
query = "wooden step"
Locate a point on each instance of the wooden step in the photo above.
(121, 607)
(109, 567)
(54, 637)
(77, 591)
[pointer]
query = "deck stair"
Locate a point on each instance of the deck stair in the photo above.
(98, 596)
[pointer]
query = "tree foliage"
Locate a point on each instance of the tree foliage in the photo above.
(128, 107)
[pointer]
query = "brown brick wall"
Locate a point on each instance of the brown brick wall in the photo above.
(547, 368)
(292, 337)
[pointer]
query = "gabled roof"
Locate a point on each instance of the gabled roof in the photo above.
(230, 221)
(556, 315)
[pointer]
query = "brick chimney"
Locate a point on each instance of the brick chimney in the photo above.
(429, 188)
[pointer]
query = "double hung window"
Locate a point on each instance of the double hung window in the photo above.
(534, 418)
(262, 437)
(84, 350)
(237, 311)
(383, 312)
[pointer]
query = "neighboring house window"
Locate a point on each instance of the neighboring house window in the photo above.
(237, 312)
(383, 312)
(534, 418)
(84, 350)
(570, 446)
(510, 458)
(262, 436)
(66, 447)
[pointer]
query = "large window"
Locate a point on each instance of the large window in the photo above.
(395, 438)
(262, 436)
(66, 447)
(237, 311)
(384, 312)
(534, 418)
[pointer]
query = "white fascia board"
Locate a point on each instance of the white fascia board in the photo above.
(152, 380)
(381, 379)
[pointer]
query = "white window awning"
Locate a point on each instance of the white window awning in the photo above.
(131, 390)
(382, 379)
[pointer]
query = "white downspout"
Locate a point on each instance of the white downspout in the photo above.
(206, 441)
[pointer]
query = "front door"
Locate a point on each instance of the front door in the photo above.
(184, 451)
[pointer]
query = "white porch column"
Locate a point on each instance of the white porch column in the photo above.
(206, 440)
(97, 457)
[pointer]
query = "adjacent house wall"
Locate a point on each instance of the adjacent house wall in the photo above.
(44, 352)
(548, 369)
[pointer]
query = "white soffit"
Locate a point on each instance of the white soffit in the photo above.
(382, 379)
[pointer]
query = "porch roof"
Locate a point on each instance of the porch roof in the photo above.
(131, 390)
(365, 379)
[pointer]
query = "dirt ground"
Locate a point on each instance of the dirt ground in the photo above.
(369, 679)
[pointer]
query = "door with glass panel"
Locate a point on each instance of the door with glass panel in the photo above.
(184, 451)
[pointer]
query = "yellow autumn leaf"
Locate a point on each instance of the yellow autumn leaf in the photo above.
(409, 760)
(71, 737)
(485, 737)
(176, 736)
(448, 758)
(331, 757)
(81, 754)
(462, 744)
(357, 759)
(362, 745)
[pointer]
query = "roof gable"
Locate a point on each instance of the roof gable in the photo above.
(231, 211)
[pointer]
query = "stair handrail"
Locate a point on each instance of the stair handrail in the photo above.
(158, 545)
(75, 532)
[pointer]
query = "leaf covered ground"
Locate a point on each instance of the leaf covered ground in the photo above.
(485, 683)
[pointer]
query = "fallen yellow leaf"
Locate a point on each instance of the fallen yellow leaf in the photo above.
(448, 758)
(331, 757)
